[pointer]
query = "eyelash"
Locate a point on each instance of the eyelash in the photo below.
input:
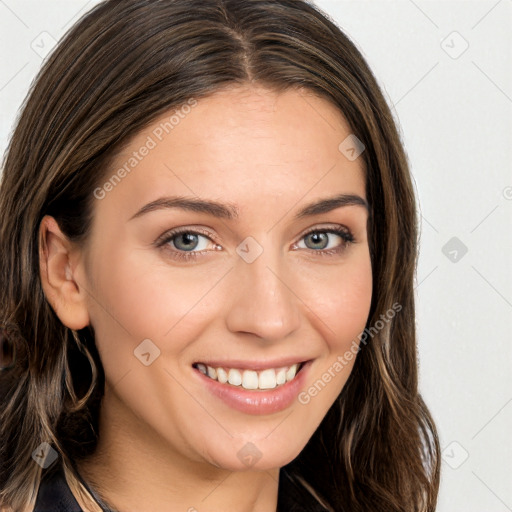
(344, 233)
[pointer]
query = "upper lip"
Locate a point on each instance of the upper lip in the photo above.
(254, 364)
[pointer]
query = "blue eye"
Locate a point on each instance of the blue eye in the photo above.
(185, 243)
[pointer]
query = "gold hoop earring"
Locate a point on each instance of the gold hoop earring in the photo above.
(79, 403)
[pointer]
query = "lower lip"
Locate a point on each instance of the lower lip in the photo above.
(257, 402)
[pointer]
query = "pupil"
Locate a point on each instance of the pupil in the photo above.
(188, 238)
(316, 237)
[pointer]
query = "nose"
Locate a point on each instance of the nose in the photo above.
(262, 302)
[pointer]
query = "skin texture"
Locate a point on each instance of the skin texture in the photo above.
(165, 441)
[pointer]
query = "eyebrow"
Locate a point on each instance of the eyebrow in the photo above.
(230, 211)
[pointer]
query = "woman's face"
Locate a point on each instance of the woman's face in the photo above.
(263, 287)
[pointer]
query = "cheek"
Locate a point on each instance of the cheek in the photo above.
(144, 297)
(351, 303)
(340, 306)
(340, 297)
(136, 297)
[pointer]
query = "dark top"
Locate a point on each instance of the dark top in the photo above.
(55, 495)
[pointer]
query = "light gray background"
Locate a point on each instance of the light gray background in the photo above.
(454, 107)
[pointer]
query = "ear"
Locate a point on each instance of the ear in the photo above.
(58, 263)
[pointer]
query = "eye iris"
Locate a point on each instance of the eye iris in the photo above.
(317, 238)
(190, 238)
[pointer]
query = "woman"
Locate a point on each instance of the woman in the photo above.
(173, 338)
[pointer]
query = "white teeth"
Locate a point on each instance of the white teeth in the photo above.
(290, 374)
(281, 376)
(234, 377)
(250, 379)
(267, 379)
(222, 376)
(212, 373)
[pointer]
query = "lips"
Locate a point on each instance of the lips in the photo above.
(256, 401)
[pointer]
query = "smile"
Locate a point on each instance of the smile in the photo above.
(270, 378)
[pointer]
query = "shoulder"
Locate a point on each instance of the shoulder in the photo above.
(54, 494)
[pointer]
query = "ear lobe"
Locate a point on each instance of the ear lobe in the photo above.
(58, 263)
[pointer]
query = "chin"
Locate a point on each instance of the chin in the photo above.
(256, 454)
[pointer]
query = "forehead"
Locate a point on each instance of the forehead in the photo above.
(246, 144)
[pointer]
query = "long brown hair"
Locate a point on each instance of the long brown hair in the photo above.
(122, 65)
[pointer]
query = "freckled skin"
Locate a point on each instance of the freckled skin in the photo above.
(163, 437)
